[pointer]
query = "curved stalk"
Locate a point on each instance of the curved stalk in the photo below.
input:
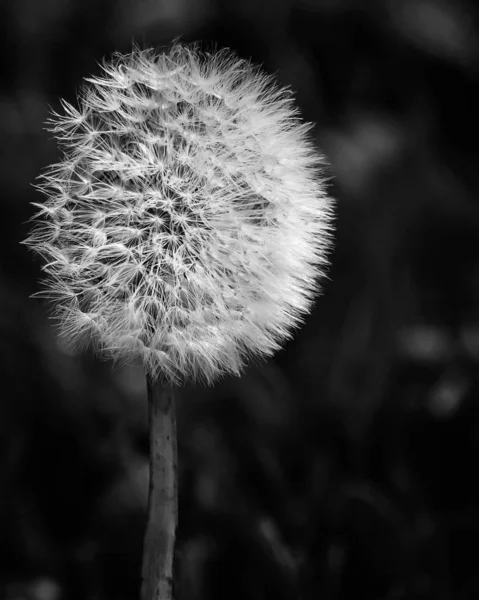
(160, 535)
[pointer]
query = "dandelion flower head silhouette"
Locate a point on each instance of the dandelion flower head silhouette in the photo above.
(187, 224)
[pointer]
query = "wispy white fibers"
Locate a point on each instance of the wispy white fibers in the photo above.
(187, 224)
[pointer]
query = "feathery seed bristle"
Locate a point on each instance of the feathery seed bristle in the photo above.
(187, 224)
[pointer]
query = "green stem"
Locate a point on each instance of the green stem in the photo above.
(159, 543)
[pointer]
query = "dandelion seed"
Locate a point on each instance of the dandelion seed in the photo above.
(218, 175)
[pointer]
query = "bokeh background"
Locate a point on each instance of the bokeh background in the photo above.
(348, 466)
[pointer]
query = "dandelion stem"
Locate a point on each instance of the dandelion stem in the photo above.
(159, 543)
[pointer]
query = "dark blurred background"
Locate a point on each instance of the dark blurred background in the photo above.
(345, 468)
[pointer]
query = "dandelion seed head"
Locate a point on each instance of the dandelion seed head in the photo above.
(187, 224)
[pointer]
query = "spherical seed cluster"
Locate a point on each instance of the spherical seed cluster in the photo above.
(187, 223)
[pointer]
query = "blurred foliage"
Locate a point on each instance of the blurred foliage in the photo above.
(347, 466)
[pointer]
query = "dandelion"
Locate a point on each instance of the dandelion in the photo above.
(186, 227)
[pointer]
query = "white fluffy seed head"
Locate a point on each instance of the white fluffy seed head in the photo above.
(187, 224)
